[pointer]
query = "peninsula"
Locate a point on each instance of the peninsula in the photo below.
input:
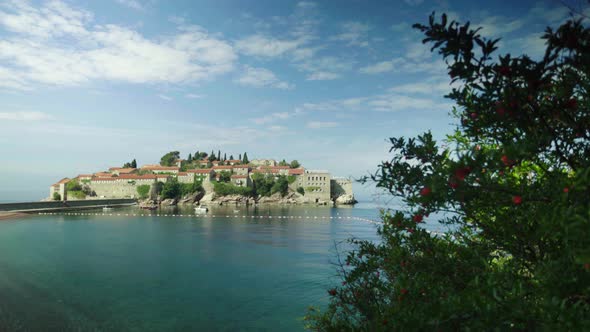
(208, 178)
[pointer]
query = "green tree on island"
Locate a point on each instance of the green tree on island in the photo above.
(513, 187)
(170, 158)
(295, 164)
(245, 160)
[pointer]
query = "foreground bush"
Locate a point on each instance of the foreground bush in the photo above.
(513, 187)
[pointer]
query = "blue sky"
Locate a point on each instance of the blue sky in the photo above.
(85, 85)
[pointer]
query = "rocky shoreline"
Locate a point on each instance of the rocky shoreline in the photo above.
(213, 199)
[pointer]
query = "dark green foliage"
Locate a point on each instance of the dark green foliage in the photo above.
(301, 190)
(56, 196)
(143, 191)
(212, 156)
(295, 164)
(224, 157)
(219, 155)
(513, 184)
(78, 194)
(189, 188)
(132, 164)
(172, 189)
(291, 178)
(158, 187)
(266, 184)
(222, 188)
(73, 185)
(224, 176)
(240, 157)
(283, 163)
(231, 157)
(281, 186)
(189, 158)
(245, 159)
(170, 158)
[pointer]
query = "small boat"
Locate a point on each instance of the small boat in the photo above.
(236, 211)
(148, 207)
(201, 209)
(107, 208)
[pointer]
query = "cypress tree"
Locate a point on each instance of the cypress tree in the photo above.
(231, 157)
(218, 154)
(189, 158)
(224, 157)
(134, 164)
(245, 160)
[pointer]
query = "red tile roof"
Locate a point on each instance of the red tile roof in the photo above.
(122, 169)
(222, 167)
(161, 168)
(103, 174)
(296, 171)
(200, 171)
(182, 173)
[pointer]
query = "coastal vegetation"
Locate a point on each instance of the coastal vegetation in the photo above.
(143, 191)
(56, 197)
(223, 188)
(512, 186)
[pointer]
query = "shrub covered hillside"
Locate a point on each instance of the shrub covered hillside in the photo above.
(513, 183)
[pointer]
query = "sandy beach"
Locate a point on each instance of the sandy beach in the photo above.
(11, 215)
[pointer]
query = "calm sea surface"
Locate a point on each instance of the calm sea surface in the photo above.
(156, 273)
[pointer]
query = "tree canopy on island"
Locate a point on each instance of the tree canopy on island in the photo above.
(170, 158)
(512, 185)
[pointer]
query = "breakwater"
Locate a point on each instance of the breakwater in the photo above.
(60, 205)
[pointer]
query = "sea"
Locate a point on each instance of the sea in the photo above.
(231, 269)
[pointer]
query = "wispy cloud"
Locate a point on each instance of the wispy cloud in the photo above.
(167, 98)
(258, 45)
(32, 51)
(261, 77)
(322, 76)
(194, 96)
(272, 117)
(354, 34)
(24, 116)
(134, 4)
(322, 124)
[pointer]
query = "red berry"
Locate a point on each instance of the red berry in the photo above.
(453, 185)
(332, 292)
(425, 191)
(505, 160)
(566, 190)
(385, 322)
(418, 218)
(473, 115)
(404, 291)
(461, 173)
(572, 104)
(516, 200)
(500, 111)
(586, 266)
(504, 70)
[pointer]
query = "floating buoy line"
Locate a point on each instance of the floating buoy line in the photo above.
(198, 216)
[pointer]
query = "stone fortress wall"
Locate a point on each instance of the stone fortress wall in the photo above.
(340, 186)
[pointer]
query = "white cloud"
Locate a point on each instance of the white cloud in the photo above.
(35, 52)
(380, 67)
(261, 77)
(24, 116)
(322, 124)
(258, 45)
(167, 98)
(194, 96)
(272, 117)
(354, 34)
(322, 76)
(134, 4)
(438, 87)
(277, 128)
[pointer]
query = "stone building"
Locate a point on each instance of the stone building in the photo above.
(316, 184)
(241, 180)
(161, 169)
(121, 170)
(263, 162)
(60, 188)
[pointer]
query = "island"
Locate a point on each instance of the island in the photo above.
(211, 179)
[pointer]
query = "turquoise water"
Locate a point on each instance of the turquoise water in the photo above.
(155, 273)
